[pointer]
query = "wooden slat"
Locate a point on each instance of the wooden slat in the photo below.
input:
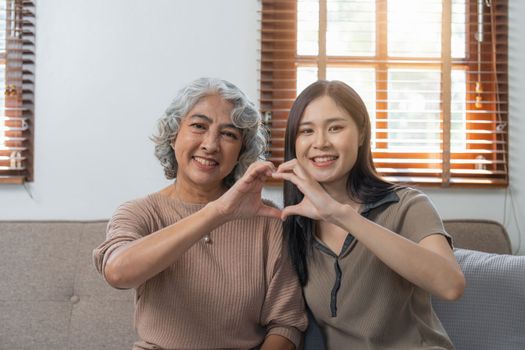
(17, 113)
(484, 161)
(12, 179)
(321, 59)
(278, 70)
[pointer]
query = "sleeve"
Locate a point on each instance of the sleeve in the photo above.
(419, 218)
(126, 225)
(283, 311)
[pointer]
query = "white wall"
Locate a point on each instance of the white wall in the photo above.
(106, 70)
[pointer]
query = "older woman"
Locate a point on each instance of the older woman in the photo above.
(206, 254)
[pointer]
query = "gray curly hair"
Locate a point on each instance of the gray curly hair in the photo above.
(244, 116)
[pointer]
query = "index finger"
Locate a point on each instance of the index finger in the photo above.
(287, 166)
(257, 169)
(262, 164)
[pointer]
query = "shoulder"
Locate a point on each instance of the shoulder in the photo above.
(139, 213)
(416, 216)
(406, 193)
(412, 204)
(394, 201)
(409, 196)
(137, 206)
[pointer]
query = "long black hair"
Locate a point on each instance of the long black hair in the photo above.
(363, 185)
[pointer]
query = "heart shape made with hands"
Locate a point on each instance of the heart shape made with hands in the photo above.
(316, 203)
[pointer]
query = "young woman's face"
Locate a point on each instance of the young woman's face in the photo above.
(327, 142)
(207, 145)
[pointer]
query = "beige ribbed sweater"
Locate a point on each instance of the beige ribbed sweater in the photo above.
(229, 293)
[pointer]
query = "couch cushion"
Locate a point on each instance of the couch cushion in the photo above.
(491, 313)
(34, 325)
(98, 308)
(102, 324)
(51, 296)
(38, 260)
(38, 269)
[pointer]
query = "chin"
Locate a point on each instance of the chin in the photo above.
(323, 179)
(205, 180)
(323, 175)
(329, 178)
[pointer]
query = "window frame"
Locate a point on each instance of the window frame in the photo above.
(275, 102)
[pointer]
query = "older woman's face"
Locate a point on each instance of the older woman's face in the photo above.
(207, 145)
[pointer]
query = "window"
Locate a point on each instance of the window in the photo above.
(432, 73)
(16, 79)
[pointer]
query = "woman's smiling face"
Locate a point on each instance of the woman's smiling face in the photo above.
(207, 145)
(327, 142)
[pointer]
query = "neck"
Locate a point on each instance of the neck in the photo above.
(194, 194)
(339, 192)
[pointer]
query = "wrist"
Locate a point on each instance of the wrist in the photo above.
(214, 212)
(343, 215)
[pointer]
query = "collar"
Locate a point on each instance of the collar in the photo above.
(344, 249)
(392, 197)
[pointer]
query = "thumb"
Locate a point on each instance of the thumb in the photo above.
(291, 210)
(269, 211)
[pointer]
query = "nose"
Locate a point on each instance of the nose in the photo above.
(210, 143)
(321, 140)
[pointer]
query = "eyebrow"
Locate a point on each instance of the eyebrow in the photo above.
(209, 120)
(326, 121)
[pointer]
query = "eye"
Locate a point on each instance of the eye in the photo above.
(335, 128)
(231, 135)
(198, 126)
(306, 131)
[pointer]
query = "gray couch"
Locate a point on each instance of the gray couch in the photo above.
(51, 297)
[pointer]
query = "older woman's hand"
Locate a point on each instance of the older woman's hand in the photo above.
(243, 199)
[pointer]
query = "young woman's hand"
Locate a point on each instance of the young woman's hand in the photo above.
(317, 204)
(243, 199)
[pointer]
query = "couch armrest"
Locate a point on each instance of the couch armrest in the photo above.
(477, 234)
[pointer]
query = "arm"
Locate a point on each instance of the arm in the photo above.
(429, 264)
(277, 342)
(283, 312)
(132, 264)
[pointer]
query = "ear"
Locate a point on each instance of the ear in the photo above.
(361, 138)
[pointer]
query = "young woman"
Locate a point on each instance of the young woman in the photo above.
(206, 254)
(369, 254)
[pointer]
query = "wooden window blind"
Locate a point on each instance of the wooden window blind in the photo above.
(432, 73)
(17, 42)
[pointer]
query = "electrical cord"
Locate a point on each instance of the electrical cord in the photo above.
(509, 195)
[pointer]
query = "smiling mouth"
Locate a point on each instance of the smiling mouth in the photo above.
(205, 162)
(323, 159)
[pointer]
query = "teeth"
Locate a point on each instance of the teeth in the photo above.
(205, 162)
(324, 159)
